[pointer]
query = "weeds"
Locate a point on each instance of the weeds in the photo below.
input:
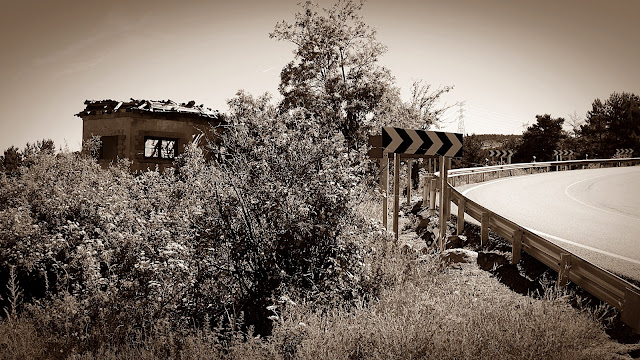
(14, 296)
(272, 253)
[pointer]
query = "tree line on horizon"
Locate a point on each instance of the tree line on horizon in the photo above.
(610, 125)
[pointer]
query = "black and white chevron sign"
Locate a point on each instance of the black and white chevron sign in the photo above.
(421, 142)
(563, 152)
(500, 153)
(624, 152)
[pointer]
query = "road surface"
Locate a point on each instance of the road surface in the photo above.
(594, 213)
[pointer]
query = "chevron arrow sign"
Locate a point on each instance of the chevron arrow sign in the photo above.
(500, 153)
(563, 152)
(421, 142)
(624, 152)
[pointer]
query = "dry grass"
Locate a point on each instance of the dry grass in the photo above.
(19, 340)
(456, 314)
(424, 313)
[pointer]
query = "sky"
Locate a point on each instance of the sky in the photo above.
(508, 60)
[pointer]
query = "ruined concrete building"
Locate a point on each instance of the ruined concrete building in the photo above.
(147, 132)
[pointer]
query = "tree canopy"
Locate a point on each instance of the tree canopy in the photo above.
(13, 158)
(540, 139)
(335, 73)
(336, 79)
(612, 124)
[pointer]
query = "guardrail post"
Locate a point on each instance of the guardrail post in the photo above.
(484, 229)
(396, 192)
(631, 308)
(565, 266)
(516, 247)
(461, 205)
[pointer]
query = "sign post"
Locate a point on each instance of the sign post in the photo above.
(502, 154)
(384, 186)
(558, 154)
(409, 182)
(445, 165)
(410, 144)
(396, 193)
(427, 182)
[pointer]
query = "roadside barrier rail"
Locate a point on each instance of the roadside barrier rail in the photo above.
(608, 287)
(455, 175)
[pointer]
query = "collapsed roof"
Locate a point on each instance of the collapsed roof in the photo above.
(96, 107)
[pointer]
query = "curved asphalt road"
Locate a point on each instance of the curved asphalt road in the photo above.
(594, 213)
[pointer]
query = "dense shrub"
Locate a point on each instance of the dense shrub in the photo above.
(110, 254)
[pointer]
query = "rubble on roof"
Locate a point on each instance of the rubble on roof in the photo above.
(96, 107)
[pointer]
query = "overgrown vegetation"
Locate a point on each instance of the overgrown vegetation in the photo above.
(263, 248)
(264, 253)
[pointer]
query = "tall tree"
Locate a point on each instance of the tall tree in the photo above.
(44, 146)
(11, 160)
(573, 139)
(421, 111)
(335, 74)
(613, 124)
(575, 123)
(540, 139)
(40, 147)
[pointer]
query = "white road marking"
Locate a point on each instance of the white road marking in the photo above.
(543, 234)
(486, 183)
(566, 192)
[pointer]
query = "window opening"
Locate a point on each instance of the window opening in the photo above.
(160, 148)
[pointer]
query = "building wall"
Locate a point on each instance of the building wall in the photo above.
(132, 128)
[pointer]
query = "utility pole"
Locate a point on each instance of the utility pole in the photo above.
(461, 118)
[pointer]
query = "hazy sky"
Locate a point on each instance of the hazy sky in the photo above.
(508, 59)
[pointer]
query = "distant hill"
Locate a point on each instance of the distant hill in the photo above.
(497, 141)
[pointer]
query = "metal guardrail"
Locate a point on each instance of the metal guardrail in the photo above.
(530, 167)
(601, 283)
